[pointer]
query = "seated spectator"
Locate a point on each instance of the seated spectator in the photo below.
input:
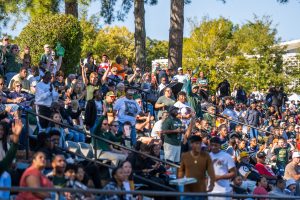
(21, 78)
(17, 93)
(290, 187)
(116, 184)
(3, 95)
(247, 171)
(261, 187)
(128, 183)
(108, 152)
(263, 169)
(57, 175)
(278, 189)
(33, 177)
(236, 185)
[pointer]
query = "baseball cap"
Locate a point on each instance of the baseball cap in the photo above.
(110, 94)
(46, 45)
(244, 154)
(195, 86)
(296, 154)
(74, 105)
(195, 138)
(180, 68)
(290, 182)
(261, 154)
(5, 37)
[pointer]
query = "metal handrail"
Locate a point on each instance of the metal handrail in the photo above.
(105, 140)
(142, 192)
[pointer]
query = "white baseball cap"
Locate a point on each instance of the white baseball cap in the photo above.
(296, 154)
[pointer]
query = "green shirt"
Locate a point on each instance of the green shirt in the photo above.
(90, 90)
(9, 157)
(194, 100)
(171, 124)
(104, 146)
(210, 119)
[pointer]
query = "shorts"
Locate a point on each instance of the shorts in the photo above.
(172, 152)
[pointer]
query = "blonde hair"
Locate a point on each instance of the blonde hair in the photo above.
(15, 83)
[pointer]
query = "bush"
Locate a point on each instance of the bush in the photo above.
(50, 29)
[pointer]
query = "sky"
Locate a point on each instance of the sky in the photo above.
(157, 18)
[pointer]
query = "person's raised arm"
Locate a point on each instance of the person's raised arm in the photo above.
(59, 62)
(83, 74)
(103, 79)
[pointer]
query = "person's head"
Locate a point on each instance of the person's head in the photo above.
(180, 71)
(262, 182)
(237, 180)
(139, 101)
(168, 92)
(104, 125)
(223, 130)
(296, 157)
(253, 142)
(155, 150)
(110, 97)
(47, 77)
(104, 58)
(114, 127)
(97, 95)
(70, 172)
(242, 144)
(238, 128)
(253, 105)
(118, 59)
(244, 157)
(47, 48)
(291, 185)
(23, 73)
(261, 157)
(5, 41)
(204, 124)
(118, 175)
(281, 142)
(211, 110)
(93, 78)
(163, 80)
(60, 76)
(173, 111)
(53, 138)
(195, 89)
(127, 169)
(39, 160)
(114, 71)
(121, 87)
(56, 117)
(215, 145)
(280, 183)
(17, 86)
(127, 128)
(165, 115)
(2, 82)
(80, 173)
(59, 164)
(195, 142)
(15, 49)
(182, 97)
(129, 93)
(27, 49)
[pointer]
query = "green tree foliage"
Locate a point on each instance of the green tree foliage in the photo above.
(114, 41)
(156, 49)
(51, 29)
(246, 55)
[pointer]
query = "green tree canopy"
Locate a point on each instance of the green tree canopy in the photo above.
(51, 29)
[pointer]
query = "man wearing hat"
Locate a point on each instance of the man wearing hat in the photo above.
(209, 116)
(181, 78)
(172, 129)
(194, 164)
(46, 58)
(224, 168)
(263, 169)
(247, 171)
(292, 170)
(194, 99)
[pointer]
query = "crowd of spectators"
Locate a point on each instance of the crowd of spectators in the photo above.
(229, 140)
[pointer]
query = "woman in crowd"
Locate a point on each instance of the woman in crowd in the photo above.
(261, 187)
(18, 94)
(33, 177)
(128, 183)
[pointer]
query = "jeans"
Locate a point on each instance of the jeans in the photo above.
(253, 133)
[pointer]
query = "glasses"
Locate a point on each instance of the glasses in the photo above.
(1, 83)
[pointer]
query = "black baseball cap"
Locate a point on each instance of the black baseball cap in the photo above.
(215, 140)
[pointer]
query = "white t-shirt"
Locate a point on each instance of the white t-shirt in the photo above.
(127, 110)
(156, 127)
(183, 111)
(222, 162)
(181, 78)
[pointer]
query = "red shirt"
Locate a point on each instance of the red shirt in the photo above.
(44, 181)
(264, 169)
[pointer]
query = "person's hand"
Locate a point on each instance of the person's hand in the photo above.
(218, 177)
(210, 188)
(16, 130)
(74, 81)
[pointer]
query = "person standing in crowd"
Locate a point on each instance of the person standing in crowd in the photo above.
(292, 169)
(196, 164)
(127, 109)
(253, 118)
(4, 49)
(44, 97)
(26, 57)
(194, 99)
(223, 89)
(105, 63)
(164, 102)
(12, 67)
(172, 129)
(46, 59)
(224, 168)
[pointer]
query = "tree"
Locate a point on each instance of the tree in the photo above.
(156, 49)
(51, 29)
(114, 41)
(176, 34)
(71, 7)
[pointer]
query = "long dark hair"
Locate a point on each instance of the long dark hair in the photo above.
(130, 178)
(6, 133)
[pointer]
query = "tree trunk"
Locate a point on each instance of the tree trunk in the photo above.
(71, 7)
(176, 34)
(140, 34)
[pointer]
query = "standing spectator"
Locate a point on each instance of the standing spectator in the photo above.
(202, 81)
(281, 153)
(105, 63)
(194, 99)
(94, 111)
(224, 168)
(223, 89)
(44, 97)
(196, 164)
(33, 177)
(253, 118)
(164, 102)
(120, 68)
(12, 67)
(26, 57)
(90, 65)
(46, 59)
(4, 49)
(127, 109)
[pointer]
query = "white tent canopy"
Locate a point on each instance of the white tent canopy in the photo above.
(295, 97)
